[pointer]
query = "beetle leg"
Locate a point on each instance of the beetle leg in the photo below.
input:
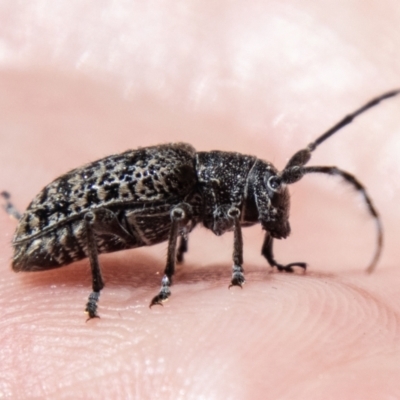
(101, 221)
(9, 207)
(267, 252)
(97, 280)
(237, 269)
(180, 216)
(182, 248)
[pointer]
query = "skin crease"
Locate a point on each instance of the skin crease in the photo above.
(79, 82)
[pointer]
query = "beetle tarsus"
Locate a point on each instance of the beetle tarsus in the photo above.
(91, 305)
(237, 276)
(289, 267)
(163, 294)
(161, 298)
(267, 252)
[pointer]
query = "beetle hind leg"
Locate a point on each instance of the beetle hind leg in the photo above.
(97, 280)
(101, 221)
(267, 252)
(9, 207)
(237, 276)
(180, 216)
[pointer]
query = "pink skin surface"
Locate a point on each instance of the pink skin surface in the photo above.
(80, 81)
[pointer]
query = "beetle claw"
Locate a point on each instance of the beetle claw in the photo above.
(161, 298)
(289, 267)
(237, 278)
(91, 305)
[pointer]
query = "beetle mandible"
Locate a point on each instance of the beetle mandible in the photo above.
(153, 194)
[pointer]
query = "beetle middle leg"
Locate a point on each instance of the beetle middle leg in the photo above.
(237, 269)
(267, 252)
(180, 216)
(101, 221)
(182, 248)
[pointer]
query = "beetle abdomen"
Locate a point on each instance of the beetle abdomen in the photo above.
(65, 245)
(138, 186)
(58, 247)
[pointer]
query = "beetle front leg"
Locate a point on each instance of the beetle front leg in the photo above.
(267, 252)
(237, 269)
(180, 216)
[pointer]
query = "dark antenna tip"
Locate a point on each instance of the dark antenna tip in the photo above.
(302, 157)
(349, 118)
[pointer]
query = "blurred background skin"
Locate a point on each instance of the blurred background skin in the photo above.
(82, 80)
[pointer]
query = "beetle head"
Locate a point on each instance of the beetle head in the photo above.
(268, 200)
(276, 219)
(274, 215)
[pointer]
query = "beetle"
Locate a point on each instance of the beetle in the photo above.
(160, 193)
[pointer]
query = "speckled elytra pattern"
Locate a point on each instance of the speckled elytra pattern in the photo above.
(140, 186)
(142, 176)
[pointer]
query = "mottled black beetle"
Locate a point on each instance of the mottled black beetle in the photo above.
(146, 196)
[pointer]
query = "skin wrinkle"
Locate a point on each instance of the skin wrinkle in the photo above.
(380, 303)
(348, 361)
(350, 302)
(311, 381)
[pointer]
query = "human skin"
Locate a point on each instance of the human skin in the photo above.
(262, 79)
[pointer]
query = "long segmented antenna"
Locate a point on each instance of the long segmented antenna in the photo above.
(352, 180)
(348, 119)
(303, 156)
(295, 169)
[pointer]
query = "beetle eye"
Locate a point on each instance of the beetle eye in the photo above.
(274, 182)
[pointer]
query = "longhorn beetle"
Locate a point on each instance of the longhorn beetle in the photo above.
(146, 196)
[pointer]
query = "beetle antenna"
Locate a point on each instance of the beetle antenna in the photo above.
(357, 185)
(349, 118)
(293, 169)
